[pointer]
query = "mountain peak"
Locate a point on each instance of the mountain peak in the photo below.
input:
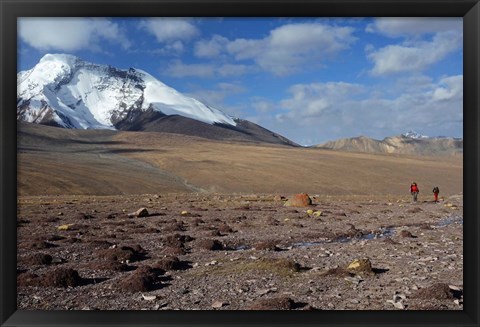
(414, 135)
(60, 57)
(63, 90)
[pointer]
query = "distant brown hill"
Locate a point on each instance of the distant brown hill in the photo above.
(53, 160)
(431, 146)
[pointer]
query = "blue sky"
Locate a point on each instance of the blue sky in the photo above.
(309, 79)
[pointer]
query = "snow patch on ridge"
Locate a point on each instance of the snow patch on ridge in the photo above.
(414, 135)
(169, 101)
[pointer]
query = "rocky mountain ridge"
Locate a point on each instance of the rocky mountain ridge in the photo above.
(410, 143)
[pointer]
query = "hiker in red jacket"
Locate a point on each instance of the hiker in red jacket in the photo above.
(435, 191)
(414, 191)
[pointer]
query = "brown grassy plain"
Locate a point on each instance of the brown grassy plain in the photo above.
(57, 161)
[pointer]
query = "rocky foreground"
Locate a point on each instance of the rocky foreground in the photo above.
(239, 252)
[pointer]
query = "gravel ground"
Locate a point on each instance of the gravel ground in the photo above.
(239, 252)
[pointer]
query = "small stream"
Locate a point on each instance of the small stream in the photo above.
(452, 219)
(381, 233)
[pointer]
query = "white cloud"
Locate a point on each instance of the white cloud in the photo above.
(232, 70)
(424, 42)
(180, 69)
(312, 100)
(262, 105)
(170, 29)
(416, 57)
(449, 88)
(210, 48)
(70, 34)
(414, 26)
(171, 49)
(328, 111)
(286, 49)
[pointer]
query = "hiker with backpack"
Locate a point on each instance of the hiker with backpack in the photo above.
(435, 191)
(414, 191)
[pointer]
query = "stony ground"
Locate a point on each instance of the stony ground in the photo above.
(239, 252)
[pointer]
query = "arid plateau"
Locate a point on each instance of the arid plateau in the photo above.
(216, 231)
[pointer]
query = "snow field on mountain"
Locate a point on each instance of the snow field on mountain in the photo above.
(171, 102)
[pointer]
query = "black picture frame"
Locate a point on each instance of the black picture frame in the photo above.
(11, 9)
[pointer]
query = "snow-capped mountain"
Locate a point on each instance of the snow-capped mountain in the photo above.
(414, 135)
(66, 91)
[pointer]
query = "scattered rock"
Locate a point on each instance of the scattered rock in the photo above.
(149, 298)
(278, 303)
(66, 227)
(122, 254)
(177, 240)
(169, 263)
(354, 280)
(360, 266)
(144, 279)
(299, 200)
(406, 233)
(174, 250)
(62, 277)
(398, 305)
(142, 212)
(218, 304)
(436, 291)
(266, 291)
(208, 244)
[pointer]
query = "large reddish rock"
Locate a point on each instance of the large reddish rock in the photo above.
(299, 200)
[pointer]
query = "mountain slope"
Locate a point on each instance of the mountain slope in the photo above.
(65, 91)
(410, 143)
(243, 131)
